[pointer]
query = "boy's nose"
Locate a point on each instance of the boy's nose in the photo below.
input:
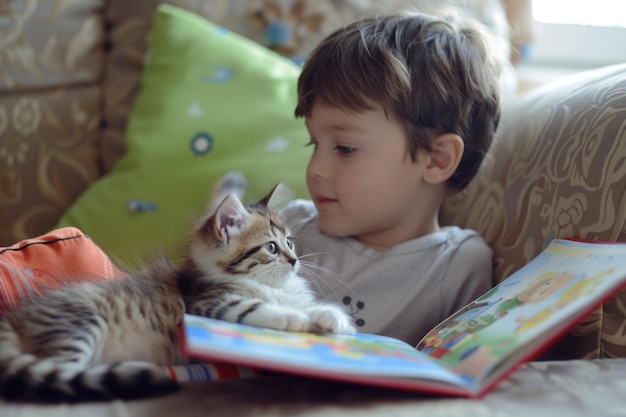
(317, 167)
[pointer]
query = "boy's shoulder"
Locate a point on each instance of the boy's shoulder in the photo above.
(468, 245)
(457, 236)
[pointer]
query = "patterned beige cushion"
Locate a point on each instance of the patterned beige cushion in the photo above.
(50, 69)
(557, 169)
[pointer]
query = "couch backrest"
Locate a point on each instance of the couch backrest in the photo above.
(556, 169)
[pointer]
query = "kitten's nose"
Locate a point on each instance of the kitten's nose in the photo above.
(292, 261)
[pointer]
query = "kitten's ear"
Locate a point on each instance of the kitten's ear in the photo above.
(278, 197)
(230, 218)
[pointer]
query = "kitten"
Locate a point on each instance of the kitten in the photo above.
(104, 340)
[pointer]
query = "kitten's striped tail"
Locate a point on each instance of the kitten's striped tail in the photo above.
(25, 377)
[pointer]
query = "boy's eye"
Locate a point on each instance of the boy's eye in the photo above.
(311, 143)
(271, 248)
(345, 150)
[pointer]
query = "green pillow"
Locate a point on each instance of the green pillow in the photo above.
(211, 101)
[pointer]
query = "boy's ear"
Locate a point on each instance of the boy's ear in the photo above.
(444, 158)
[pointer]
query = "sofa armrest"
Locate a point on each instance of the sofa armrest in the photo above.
(557, 169)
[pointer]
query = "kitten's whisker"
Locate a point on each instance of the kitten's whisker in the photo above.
(315, 280)
(311, 265)
(308, 269)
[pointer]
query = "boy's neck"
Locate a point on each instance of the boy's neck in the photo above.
(395, 237)
(426, 223)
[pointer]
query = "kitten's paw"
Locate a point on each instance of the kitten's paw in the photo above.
(330, 319)
(297, 322)
(281, 319)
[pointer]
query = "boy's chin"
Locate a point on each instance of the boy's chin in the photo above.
(330, 230)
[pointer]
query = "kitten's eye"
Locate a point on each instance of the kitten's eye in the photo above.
(271, 248)
(290, 243)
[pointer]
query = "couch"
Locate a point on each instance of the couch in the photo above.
(70, 80)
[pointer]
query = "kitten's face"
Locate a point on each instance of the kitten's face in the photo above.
(244, 242)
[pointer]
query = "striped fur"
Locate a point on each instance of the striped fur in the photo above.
(105, 340)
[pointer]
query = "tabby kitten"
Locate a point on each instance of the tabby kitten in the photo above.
(104, 340)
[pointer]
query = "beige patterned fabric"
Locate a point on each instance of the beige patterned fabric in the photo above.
(556, 170)
(50, 67)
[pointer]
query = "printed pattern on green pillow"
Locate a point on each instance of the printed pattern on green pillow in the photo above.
(211, 101)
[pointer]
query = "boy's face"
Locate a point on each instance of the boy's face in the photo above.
(363, 180)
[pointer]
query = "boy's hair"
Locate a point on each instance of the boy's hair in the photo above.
(433, 75)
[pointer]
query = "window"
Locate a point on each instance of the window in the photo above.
(579, 33)
(581, 12)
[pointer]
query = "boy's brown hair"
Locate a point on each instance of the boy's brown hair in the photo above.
(435, 76)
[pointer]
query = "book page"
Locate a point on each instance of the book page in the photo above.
(527, 309)
(307, 353)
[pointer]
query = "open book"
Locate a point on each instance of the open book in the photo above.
(465, 355)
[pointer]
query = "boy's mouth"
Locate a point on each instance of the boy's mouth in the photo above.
(322, 199)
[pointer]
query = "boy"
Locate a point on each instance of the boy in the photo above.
(400, 110)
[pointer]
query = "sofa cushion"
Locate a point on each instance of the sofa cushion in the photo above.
(60, 257)
(556, 170)
(211, 102)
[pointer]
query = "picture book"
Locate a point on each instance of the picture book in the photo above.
(465, 355)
